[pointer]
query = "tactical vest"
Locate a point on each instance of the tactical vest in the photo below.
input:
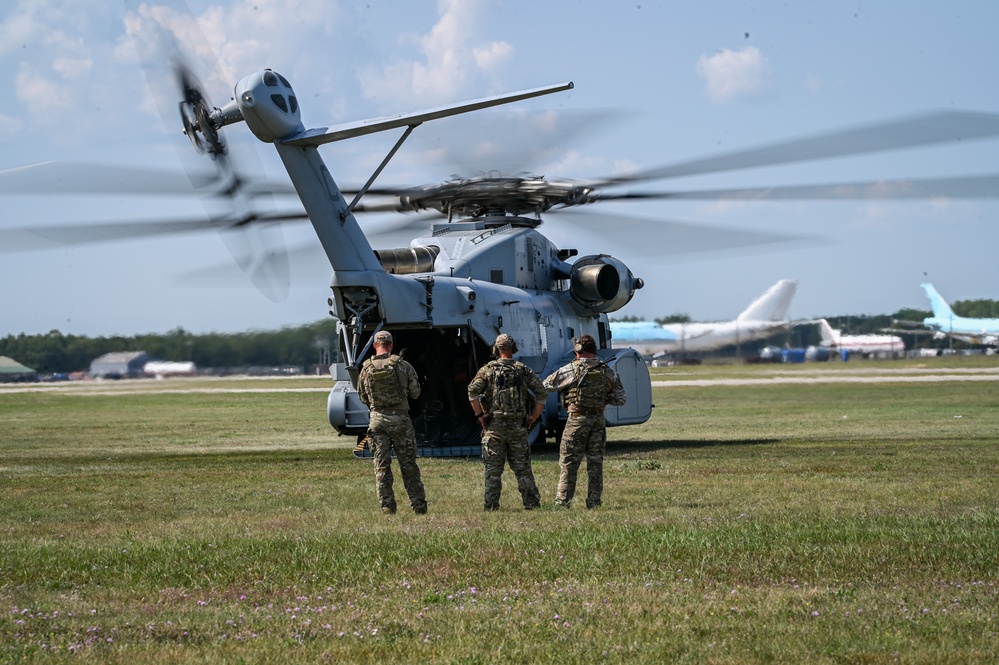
(589, 390)
(509, 392)
(384, 385)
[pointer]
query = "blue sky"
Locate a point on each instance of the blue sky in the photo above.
(680, 80)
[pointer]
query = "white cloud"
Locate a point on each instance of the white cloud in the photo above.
(453, 60)
(494, 55)
(16, 31)
(40, 93)
(731, 76)
(72, 67)
(9, 127)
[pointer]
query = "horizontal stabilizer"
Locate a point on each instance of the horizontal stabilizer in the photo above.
(351, 130)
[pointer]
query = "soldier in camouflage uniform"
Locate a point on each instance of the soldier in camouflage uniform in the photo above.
(507, 397)
(385, 383)
(588, 386)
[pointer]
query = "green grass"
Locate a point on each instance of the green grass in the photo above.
(839, 523)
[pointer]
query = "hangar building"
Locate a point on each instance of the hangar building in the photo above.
(119, 365)
(11, 371)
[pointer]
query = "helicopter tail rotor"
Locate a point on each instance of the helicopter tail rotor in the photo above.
(196, 114)
(164, 39)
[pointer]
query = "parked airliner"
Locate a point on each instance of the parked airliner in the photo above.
(863, 344)
(967, 329)
(765, 316)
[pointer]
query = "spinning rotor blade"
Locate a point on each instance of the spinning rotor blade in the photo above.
(76, 178)
(164, 35)
(308, 261)
(45, 237)
(921, 130)
(653, 237)
(72, 178)
(963, 187)
(510, 140)
(531, 194)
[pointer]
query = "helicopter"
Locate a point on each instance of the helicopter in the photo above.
(483, 268)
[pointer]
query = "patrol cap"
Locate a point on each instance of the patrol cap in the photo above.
(383, 337)
(505, 341)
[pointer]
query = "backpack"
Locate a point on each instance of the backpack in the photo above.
(384, 386)
(509, 392)
(589, 389)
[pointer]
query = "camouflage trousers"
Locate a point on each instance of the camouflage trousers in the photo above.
(395, 432)
(583, 435)
(505, 441)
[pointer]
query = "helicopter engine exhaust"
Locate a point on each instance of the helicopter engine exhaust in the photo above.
(601, 283)
(408, 260)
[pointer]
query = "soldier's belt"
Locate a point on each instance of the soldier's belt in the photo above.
(393, 411)
(502, 414)
(580, 411)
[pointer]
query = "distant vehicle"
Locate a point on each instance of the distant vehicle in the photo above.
(867, 345)
(967, 329)
(161, 369)
(765, 316)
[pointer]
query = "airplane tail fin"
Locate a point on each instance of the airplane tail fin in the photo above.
(830, 337)
(772, 305)
(941, 309)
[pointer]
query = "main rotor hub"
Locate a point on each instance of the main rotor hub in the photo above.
(496, 195)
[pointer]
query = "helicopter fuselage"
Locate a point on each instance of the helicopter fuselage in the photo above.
(447, 296)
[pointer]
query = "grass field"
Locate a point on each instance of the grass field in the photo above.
(829, 523)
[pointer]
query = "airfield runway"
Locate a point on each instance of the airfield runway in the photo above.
(760, 376)
(861, 375)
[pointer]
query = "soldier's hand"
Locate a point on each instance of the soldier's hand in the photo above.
(484, 419)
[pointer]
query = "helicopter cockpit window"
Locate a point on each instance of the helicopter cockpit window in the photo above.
(496, 275)
(293, 100)
(283, 80)
(270, 80)
(279, 102)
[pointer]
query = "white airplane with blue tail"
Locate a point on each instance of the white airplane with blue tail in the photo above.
(766, 316)
(967, 329)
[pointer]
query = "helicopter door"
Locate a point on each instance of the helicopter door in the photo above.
(634, 375)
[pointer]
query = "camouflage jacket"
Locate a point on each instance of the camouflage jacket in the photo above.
(409, 382)
(569, 375)
(483, 386)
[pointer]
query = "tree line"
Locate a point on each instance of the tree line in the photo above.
(314, 343)
(55, 352)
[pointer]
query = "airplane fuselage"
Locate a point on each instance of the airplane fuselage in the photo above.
(649, 338)
(971, 330)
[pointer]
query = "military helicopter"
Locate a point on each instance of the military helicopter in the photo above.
(484, 268)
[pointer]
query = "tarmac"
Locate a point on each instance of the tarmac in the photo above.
(760, 377)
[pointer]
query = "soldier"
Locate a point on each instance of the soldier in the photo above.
(507, 397)
(588, 385)
(385, 383)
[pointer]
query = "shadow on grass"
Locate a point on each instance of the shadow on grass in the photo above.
(548, 450)
(200, 457)
(625, 447)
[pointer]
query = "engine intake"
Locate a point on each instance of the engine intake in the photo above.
(601, 283)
